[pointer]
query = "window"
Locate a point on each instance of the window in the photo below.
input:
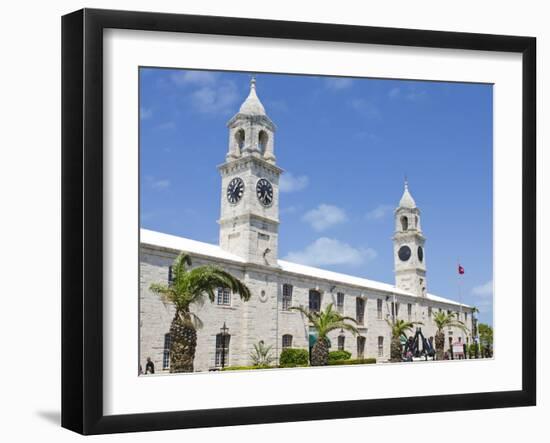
(360, 310)
(340, 301)
(395, 309)
(239, 139)
(287, 341)
(166, 352)
(429, 311)
(458, 316)
(341, 342)
(379, 309)
(222, 350)
(465, 317)
(314, 300)
(224, 297)
(361, 346)
(287, 296)
(380, 346)
(409, 311)
(404, 223)
(262, 141)
(170, 274)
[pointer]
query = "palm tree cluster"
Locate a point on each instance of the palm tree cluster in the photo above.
(444, 320)
(324, 322)
(188, 288)
(399, 328)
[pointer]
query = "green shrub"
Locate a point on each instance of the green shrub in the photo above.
(293, 357)
(338, 355)
(357, 361)
(246, 368)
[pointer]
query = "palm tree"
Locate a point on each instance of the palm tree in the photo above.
(399, 329)
(262, 356)
(186, 289)
(444, 320)
(325, 322)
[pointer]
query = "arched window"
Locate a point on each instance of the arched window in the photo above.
(287, 341)
(262, 141)
(416, 221)
(404, 223)
(239, 139)
(314, 300)
(166, 351)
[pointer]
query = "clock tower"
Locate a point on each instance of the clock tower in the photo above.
(408, 246)
(249, 221)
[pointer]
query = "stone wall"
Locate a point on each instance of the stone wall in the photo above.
(262, 318)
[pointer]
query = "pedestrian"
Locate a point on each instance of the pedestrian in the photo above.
(150, 366)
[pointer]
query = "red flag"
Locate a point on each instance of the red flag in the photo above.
(460, 270)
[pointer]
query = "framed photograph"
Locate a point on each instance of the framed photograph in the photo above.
(270, 221)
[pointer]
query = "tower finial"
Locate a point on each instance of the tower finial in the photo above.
(253, 81)
(406, 182)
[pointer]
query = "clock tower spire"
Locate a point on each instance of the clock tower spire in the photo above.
(249, 221)
(408, 245)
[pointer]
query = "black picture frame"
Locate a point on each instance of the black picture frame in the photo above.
(82, 217)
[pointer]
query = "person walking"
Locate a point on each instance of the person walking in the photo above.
(150, 366)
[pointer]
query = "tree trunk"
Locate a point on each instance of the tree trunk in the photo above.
(319, 353)
(439, 345)
(395, 350)
(183, 345)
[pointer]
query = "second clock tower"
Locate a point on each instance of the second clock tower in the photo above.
(249, 222)
(408, 245)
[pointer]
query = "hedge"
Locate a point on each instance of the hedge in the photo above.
(338, 355)
(293, 357)
(357, 361)
(245, 368)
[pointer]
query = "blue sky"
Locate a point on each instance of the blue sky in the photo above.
(345, 145)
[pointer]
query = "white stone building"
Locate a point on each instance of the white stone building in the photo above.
(248, 248)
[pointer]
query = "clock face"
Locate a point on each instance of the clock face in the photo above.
(264, 191)
(420, 253)
(404, 253)
(235, 190)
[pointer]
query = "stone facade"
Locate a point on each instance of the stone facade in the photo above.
(248, 249)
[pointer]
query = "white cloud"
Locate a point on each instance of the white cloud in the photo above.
(324, 216)
(290, 183)
(198, 78)
(486, 289)
(328, 251)
(216, 99)
(166, 125)
(337, 84)
(412, 94)
(145, 113)
(364, 107)
(160, 184)
(209, 93)
(379, 212)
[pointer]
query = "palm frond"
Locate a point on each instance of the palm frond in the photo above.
(167, 293)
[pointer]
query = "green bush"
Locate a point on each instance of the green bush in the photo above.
(357, 361)
(246, 368)
(338, 355)
(293, 357)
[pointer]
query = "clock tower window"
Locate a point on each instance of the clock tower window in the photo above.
(262, 142)
(404, 223)
(239, 140)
